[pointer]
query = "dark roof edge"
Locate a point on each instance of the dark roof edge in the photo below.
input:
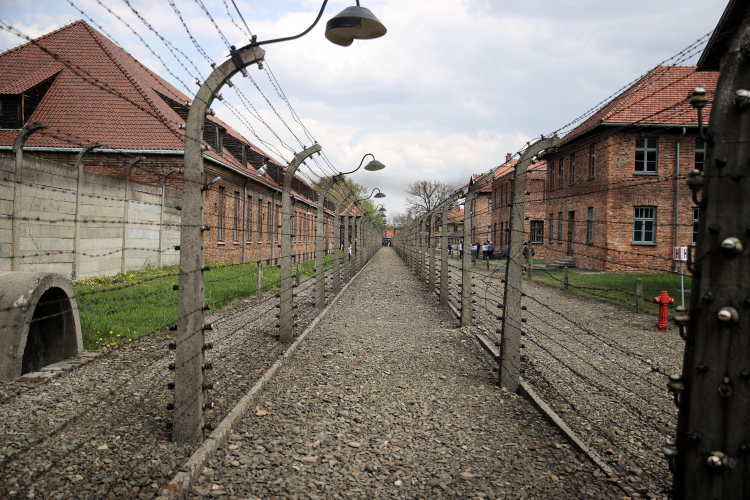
(717, 45)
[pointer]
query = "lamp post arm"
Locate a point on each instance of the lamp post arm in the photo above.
(363, 158)
(255, 43)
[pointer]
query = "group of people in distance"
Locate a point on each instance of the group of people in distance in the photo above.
(487, 248)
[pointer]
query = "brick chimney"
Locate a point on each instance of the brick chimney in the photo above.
(507, 157)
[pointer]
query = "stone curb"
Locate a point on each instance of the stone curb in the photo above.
(56, 369)
(181, 483)
(571, 436)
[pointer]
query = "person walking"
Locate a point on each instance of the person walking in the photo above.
(484, 251)
(474, 250)
(450, 249)
(350, 251)
(460, 249)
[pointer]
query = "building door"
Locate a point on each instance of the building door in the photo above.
(571, 230)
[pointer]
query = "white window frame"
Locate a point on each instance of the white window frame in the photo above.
(643, 216)
(650, 147)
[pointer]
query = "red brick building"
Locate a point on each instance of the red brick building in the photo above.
(481, 213)
(535, 207)
(616, 198)
(86, 89)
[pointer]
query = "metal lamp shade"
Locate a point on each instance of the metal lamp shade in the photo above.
(380, 195)
(381, 209)
(374, 165)
(353, 22)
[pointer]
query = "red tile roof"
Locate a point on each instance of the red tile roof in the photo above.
(101, 93)
(660, 97)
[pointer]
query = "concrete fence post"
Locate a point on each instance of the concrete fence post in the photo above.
(565, 278)
(510, 344)
(126, 212)
(444, 263)
(189, 360)
(79, 195)
(433, 250)
(422, 248)
(337, 248)
(530, 259)
(160, 260)
(347, 256)
(320, 250)
(639, 295)
(20, 140)
(298, 273)
(466, 309)
(259, 283)
(286, 313)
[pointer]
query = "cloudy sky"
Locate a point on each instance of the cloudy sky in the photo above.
(452, 87)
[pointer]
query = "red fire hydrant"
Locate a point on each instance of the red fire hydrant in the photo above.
(663, 300)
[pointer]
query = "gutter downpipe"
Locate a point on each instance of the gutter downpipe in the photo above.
(677, 196)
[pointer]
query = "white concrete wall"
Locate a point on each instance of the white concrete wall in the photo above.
(48, 205)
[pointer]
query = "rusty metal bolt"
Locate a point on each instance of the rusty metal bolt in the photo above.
(703, 368)
(714, 228)
(694, 437)
(725, 388)
(708, 297)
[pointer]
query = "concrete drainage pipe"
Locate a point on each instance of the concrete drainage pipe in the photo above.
(39, 322)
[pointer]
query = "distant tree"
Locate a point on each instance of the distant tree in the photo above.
(425, 195)
(398, 220)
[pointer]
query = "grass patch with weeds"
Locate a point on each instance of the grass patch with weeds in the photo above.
(116, 309)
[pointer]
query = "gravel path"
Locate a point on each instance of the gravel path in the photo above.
(388, 398)
(101, 431)
(602, 367)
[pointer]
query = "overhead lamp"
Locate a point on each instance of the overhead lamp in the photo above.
(381, 209)
(380, 195)
(374, 165)
(354, 23)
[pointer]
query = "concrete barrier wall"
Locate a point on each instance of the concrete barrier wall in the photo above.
(48, 206)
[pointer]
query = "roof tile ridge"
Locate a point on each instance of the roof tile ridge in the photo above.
(36, 41)
(97, 37)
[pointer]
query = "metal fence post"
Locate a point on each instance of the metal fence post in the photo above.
(189, 388)
(510, 344)
(79, 193)
(639, 295)
(286, 314)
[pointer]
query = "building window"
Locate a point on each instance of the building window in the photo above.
(489, 234)
(700, 154)
(219, 141)
(646, 149)
(590, 225)
(572, 168)
(696, 215)
(551, 228)
(552, 175)
(592, 160)
(249, 219)
(235, 236)
(537, 231)
(489, 207)
(559, 227)
(644, 223)
(560, 180)
(494, 231)
(260, 220)
(220, 215)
